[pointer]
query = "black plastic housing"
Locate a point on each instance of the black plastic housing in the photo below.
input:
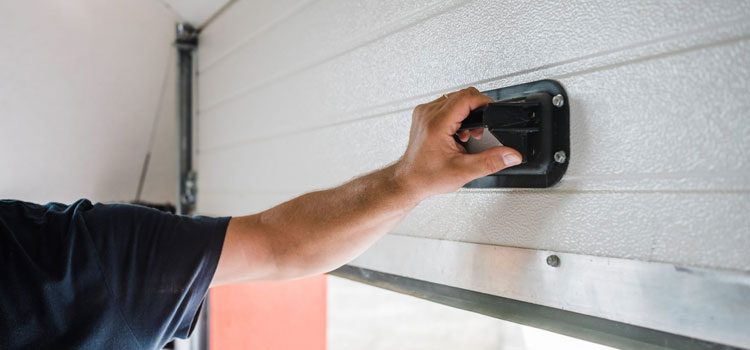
(525, 118)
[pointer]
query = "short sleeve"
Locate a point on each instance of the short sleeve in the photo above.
(158, 266)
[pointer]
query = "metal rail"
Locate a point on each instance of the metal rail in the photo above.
(186, 43)
(619, 302)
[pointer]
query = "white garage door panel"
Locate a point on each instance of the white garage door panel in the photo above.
(307, 161)
(234, 203)
(322, 91)
(628, 133)
(644, 145)
(485, 43)
(627, 225)
(240, 24)
(321, 31)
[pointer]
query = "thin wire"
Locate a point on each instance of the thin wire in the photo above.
(215, 15)
(154, 127)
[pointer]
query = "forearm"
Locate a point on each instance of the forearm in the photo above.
(320, 231)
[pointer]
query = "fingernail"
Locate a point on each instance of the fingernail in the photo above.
(511, 159)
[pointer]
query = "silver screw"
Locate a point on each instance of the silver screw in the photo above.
(558, 101)
(553, 260)
(560, 157)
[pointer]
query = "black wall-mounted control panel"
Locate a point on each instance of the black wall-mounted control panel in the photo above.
(534, 119)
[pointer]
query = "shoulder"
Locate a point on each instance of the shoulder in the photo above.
(19, 207)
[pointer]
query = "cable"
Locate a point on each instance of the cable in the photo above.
(154, 127)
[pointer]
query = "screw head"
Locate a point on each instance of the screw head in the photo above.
(558, 100)
(553, 260)
(560, 157)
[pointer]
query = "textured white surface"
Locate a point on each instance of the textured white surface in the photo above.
(659, 132)
(465, 45)
(79, 88)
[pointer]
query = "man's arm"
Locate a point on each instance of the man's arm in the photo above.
(320, 231)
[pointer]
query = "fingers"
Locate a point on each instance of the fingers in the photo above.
(490, 161)
(462, 102)
(463, 135)
(477, 133)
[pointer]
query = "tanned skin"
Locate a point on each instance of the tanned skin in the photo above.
(320, 231)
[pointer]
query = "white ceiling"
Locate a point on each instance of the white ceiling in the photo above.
(195, 12)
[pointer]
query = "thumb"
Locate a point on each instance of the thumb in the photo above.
(490, 161)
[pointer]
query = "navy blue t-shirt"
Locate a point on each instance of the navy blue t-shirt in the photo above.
(103, 276)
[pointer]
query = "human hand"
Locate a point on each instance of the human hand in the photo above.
(434, 162)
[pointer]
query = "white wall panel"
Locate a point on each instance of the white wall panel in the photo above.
(80, 86)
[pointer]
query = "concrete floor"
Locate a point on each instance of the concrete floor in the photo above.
(363, 317)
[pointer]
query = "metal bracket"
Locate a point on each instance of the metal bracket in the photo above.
(187, 37)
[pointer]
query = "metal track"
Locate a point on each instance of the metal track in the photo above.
(619, 302)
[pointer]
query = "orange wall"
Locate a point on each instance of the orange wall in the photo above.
(269, 315)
